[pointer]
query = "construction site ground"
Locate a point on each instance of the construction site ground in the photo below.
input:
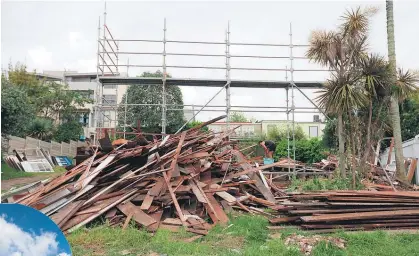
(11, 178)
(245, 235)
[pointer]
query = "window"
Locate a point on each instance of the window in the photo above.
(109, 99)
(313, 131)
(109, 86)
(84, 119)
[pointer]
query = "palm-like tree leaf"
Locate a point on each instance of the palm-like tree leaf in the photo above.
(407, 84)
(375, 71)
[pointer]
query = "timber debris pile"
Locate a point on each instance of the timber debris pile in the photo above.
(181, 180)
(351, 210)
(193, 179)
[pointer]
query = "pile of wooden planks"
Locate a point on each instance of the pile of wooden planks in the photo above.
(351, 210)
(181, 180)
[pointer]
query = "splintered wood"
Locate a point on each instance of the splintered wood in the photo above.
(351, 210)
(181, 180)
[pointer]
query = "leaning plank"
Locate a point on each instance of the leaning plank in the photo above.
(412, 170)
(359, 216)
(157, 217)
(221, 216)
(262, 188)
(138, 215)
(173, 196)
(94, 216)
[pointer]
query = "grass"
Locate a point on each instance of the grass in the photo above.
(8, 173)
(244, 235)
(316, 184)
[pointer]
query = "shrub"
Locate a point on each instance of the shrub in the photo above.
(307, 151)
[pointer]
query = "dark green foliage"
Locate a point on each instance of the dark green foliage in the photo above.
(67, 131)
(307, 151)
(330, 138)
(238, 117)
(195, 123)
(16, 111)
(409, 118)
(40, 128)
(150, 116)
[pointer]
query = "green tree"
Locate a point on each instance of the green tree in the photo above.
(394, 103)
(150, 116)
(341, 51)
(50, 99)
(70, 130)
(193, 124)
(238, 117)
(40, 128)
(16, 110)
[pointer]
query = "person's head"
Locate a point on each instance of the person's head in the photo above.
(261, 142)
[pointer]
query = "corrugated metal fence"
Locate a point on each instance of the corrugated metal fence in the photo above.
(29, 146)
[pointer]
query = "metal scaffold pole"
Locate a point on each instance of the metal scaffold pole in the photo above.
(288, 121)
(228, 78)
(97, 97)
(163, 114)
(126, 103)
(292, 95)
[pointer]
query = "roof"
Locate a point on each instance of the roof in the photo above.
(207, 82)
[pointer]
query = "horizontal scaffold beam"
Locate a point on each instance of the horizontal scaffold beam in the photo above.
(207, 82)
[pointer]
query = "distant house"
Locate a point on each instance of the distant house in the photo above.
(247, 129)
(311, 129)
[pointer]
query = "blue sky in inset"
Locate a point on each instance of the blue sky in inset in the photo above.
(27, 232)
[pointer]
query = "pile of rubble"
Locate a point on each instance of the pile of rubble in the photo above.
(351, 210)
(190, 179)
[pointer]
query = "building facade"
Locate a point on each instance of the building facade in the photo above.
(85, 83)
(249, 130)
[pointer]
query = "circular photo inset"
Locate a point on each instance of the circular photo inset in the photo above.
(25, 231)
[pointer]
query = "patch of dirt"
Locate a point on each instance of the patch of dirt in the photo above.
(226, 241)
(19, 182)
(306, 244)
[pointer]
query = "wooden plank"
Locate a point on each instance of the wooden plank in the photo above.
(148, 200)
(412, 170)
(262, 188)
(221, 216)
(197, 192)
(67, 212)
(198, 231)
(157, 217)
(138, 215)
(226, 196)
(176, 155)
(283, 220)
(127, 220)
(390, 150)
(172, 221)
(173, 196)
(359, 216)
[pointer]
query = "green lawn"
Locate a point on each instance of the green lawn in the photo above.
(8, 173)
(246, 235)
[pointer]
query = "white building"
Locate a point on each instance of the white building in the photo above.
(85, 83)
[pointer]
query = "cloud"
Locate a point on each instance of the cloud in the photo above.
(40, 57)
(17, 242)
(82, 65)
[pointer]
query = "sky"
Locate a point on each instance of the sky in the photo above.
(63, 35)
(28, 232)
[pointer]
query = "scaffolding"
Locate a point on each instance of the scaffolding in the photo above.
(108, 66)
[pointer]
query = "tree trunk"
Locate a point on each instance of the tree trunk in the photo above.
(342, 161)
(367, 151)
(394, 104)
(352, 135)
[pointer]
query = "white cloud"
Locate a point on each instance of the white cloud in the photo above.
(82, 65)
(17, 242)
(40, 57)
